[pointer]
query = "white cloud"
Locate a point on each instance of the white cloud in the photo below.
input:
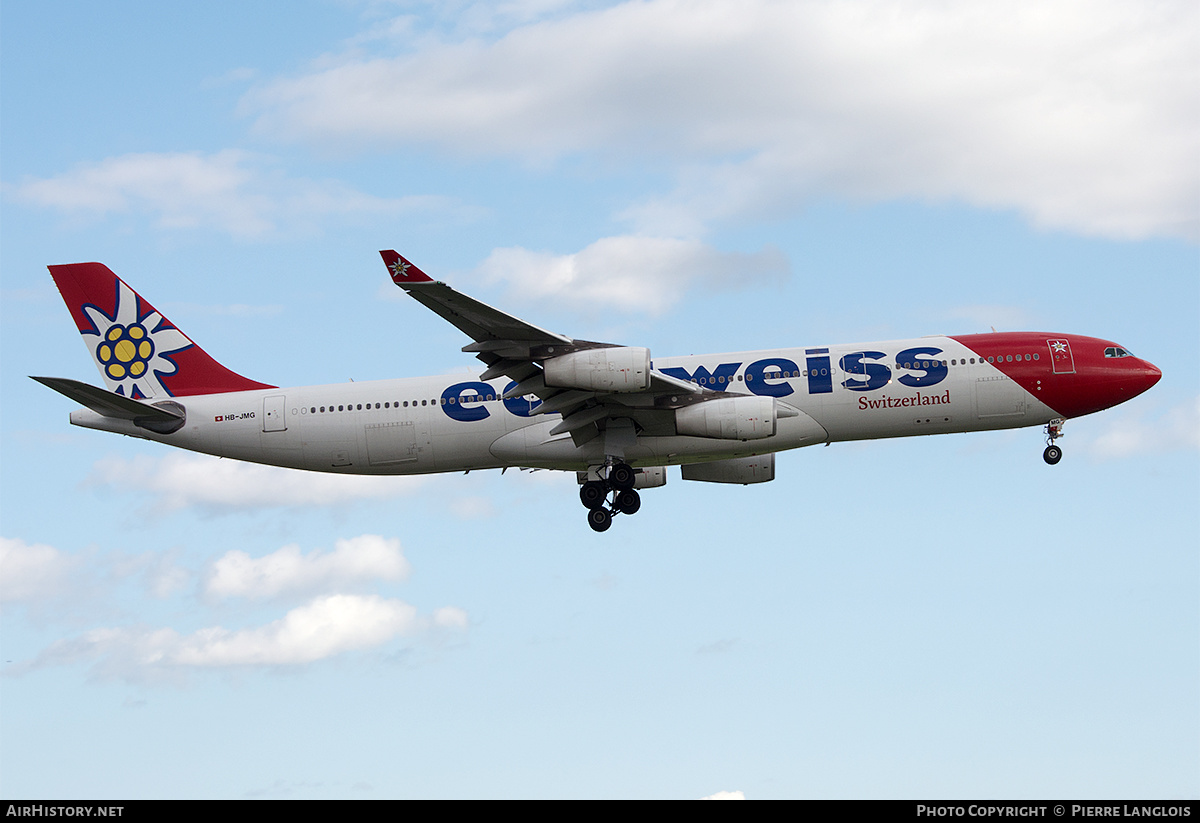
(1081, 114)
(325, 627)
(468, 18)
(230, 191)
(332, 621)
(352, 562)
(178, 481)
(32, 571)
(54, 584)
(450, 617)
(473, 508)
(159, 570)
(737, 795)
(1171, 429)
(629, 273)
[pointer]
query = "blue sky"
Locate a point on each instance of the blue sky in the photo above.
(929, 617)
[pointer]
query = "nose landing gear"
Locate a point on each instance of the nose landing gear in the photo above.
(595, 494)
(1053, 453)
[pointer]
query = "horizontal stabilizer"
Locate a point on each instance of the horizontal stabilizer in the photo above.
(110, 404)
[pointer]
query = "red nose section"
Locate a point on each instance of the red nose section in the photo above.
(1072, 374)
(1146, 378)
(1103, 386)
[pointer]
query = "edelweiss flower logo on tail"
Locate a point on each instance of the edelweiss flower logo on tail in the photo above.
(404, 273)
(133, 352)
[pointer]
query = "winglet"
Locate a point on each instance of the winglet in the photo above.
(403, 272)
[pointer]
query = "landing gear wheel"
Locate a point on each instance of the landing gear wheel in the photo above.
(599, 520)
(1052, 454)
(592, 494)
(621, 476)
(628, 502)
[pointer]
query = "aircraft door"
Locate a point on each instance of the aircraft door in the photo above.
(274, 418)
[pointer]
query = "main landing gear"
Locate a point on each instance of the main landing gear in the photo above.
(1053, 453)
(618, 484)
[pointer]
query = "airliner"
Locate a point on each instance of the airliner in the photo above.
(613, 414)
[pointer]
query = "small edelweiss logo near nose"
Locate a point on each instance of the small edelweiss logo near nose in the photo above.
(125, 351)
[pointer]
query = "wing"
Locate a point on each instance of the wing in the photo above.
(596, 387)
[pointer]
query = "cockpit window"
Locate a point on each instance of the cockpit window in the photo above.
(1116, 351)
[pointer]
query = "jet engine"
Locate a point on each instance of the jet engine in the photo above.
(616, 369)
(729, 418)
(651, 477)
(743, 470)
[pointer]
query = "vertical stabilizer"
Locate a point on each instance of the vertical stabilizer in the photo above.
(138, 351)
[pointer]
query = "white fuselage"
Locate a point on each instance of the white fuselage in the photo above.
(447, 423)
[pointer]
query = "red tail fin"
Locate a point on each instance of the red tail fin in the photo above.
(139, 352)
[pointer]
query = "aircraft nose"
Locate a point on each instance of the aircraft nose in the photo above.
(1150, 374)
(1140, 378)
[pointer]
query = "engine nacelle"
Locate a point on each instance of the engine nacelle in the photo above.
(729, 418)
(743, 470)
(621, 368)
(650, 478)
